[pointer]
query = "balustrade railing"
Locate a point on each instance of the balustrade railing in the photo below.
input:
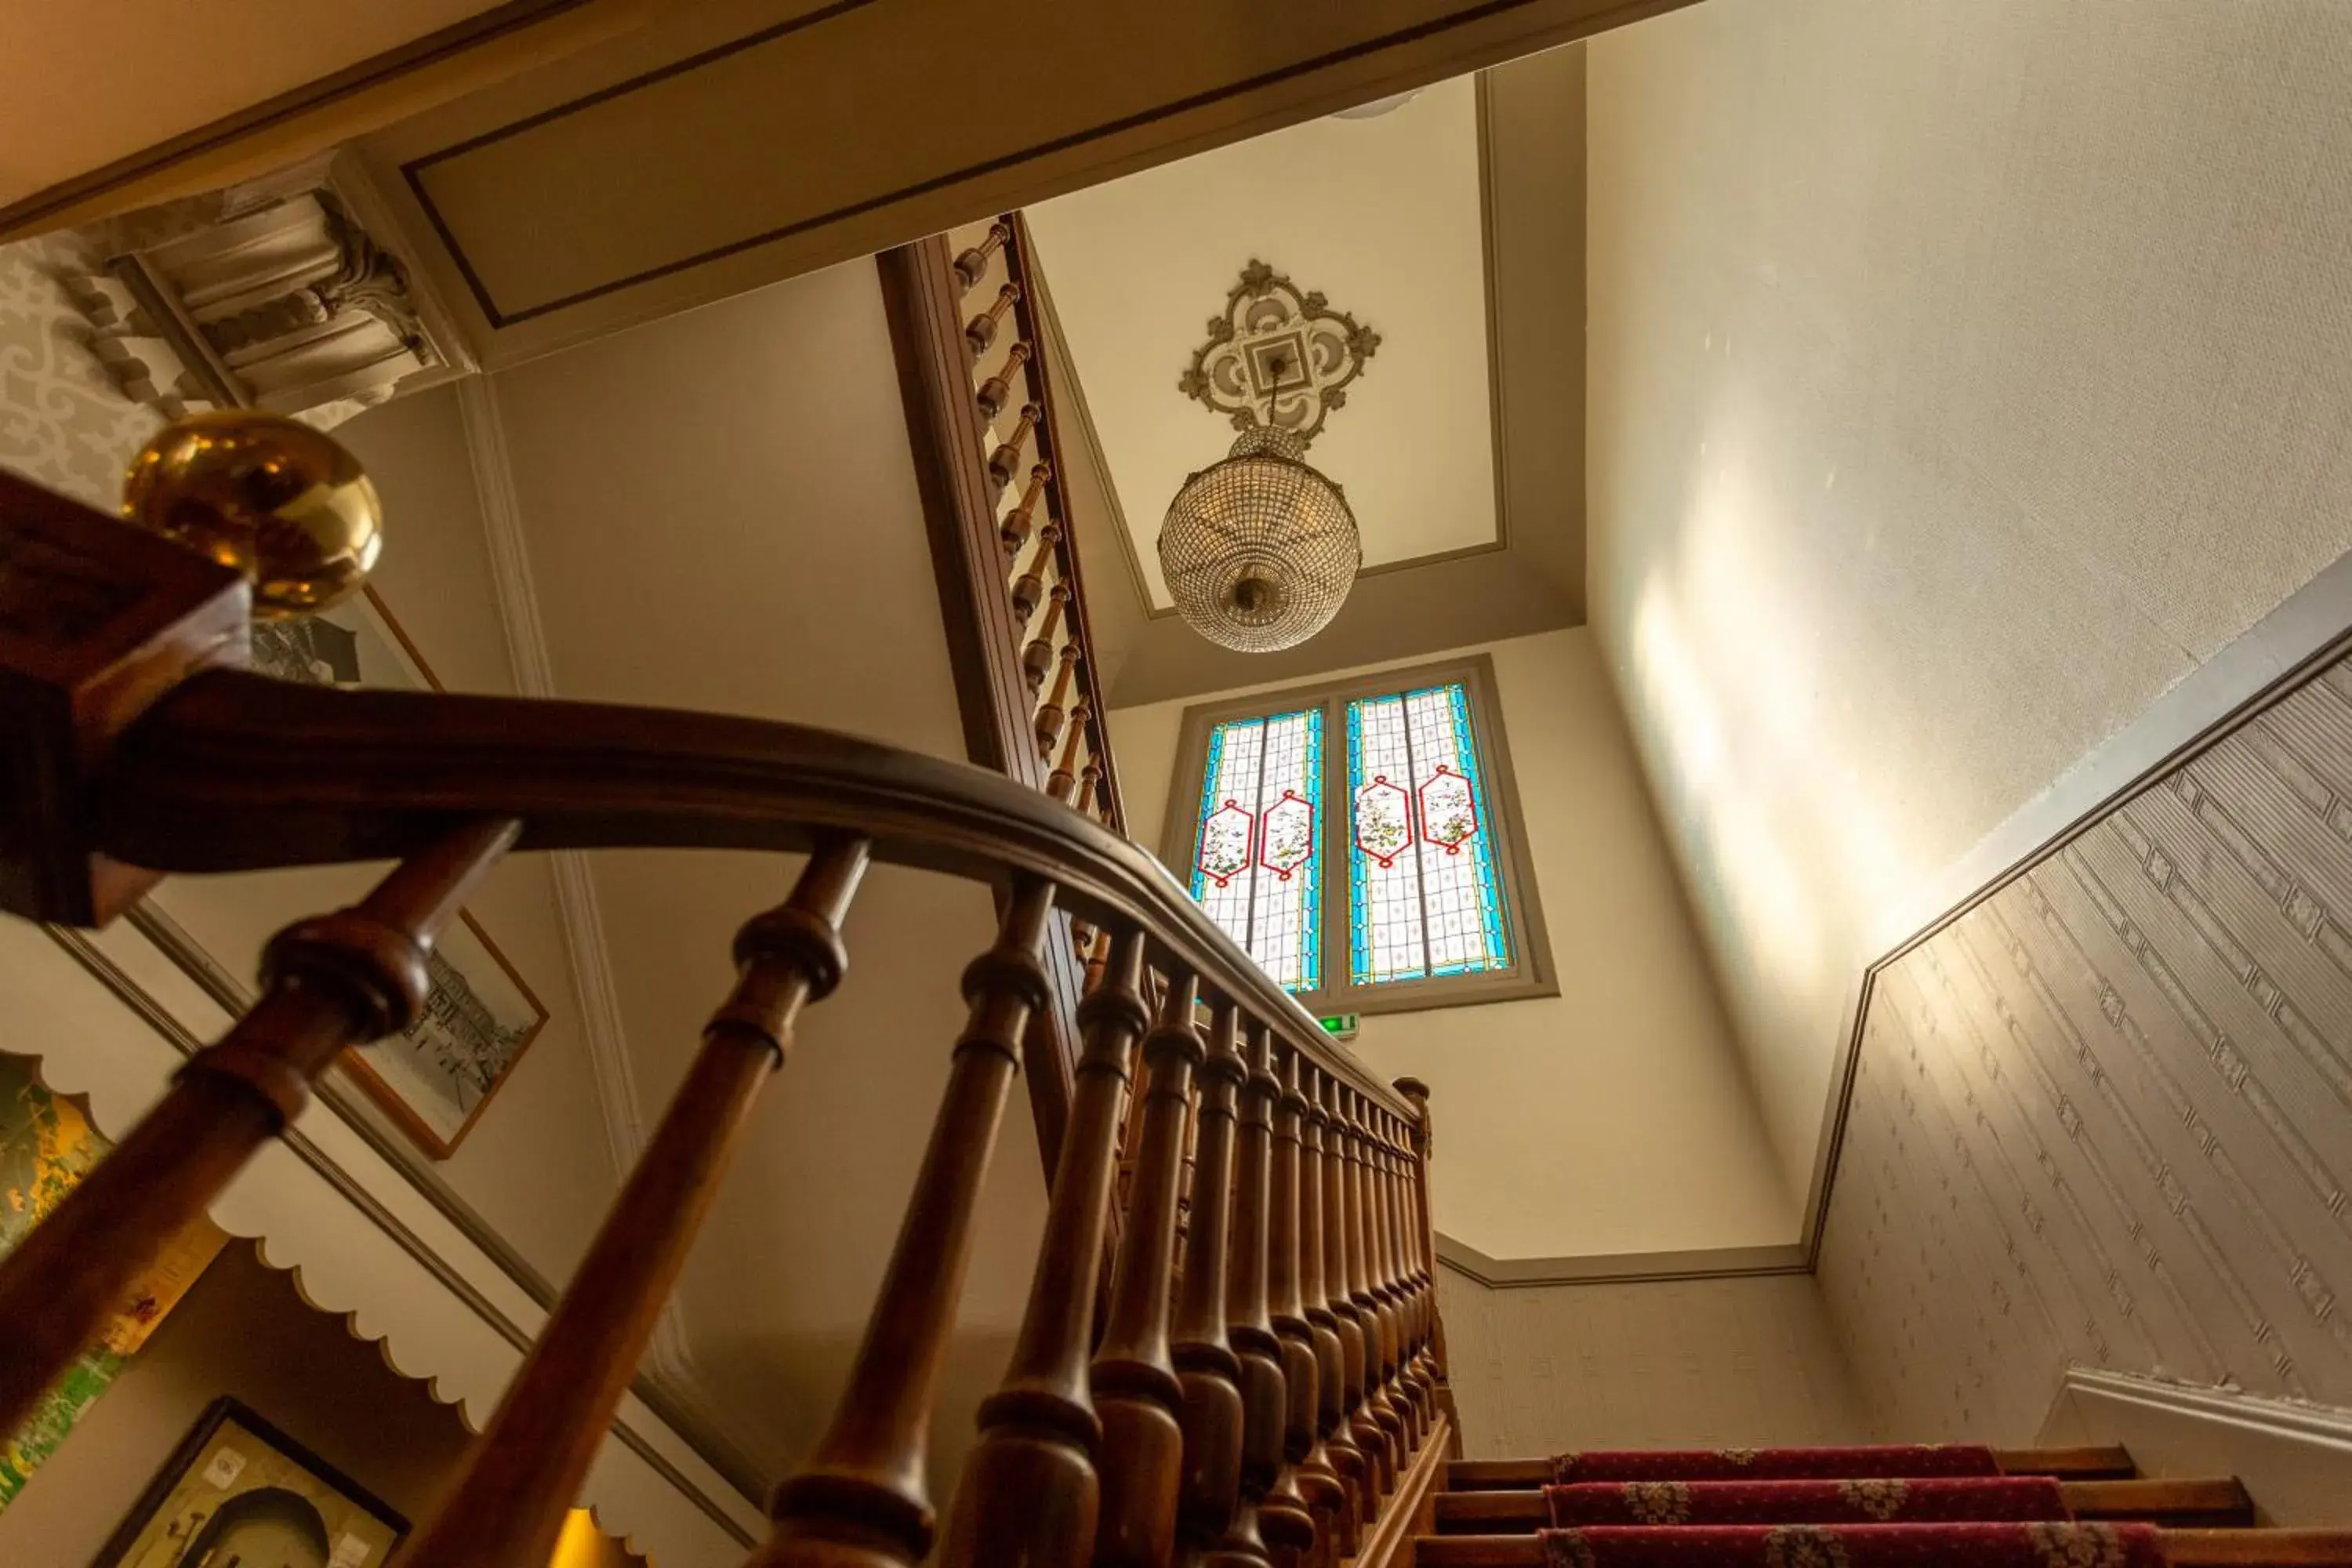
(1263, 1384)
(1017, 545)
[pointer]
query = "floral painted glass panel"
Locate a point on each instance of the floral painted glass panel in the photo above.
(1255, 867)
(1424, 896)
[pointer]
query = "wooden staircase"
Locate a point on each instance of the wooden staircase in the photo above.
(1490, 1513)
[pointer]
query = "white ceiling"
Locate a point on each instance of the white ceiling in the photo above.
(1381, 215)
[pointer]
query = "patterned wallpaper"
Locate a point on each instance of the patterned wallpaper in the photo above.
(1741, 1363)
(2106, 1117)
(62, 423)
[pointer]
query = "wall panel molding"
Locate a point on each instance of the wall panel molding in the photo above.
(2101, 1114)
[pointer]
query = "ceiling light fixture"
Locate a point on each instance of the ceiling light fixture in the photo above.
(1260, 550)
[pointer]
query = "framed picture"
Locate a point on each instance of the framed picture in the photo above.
(47, 1145)
(238, 1490)
(481, 1016)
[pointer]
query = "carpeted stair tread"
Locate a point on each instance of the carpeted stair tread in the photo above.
(1829, 1463)
(2085, 1546)
(2176, 1502)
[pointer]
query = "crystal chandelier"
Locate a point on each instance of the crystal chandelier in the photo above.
(1259, 549)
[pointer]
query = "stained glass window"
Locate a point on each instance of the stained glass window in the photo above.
(1423, 890)
(1362, 843)
(1256, 853)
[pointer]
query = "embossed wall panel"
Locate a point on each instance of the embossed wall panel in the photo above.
(2104, 1117)
(1664, 1363)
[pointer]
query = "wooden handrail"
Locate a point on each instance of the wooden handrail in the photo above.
(236, 771)
(1263, 1383)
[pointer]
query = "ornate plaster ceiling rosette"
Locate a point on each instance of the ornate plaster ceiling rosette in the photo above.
(1277, 355)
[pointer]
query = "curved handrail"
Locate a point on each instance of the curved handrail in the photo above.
(235, 771)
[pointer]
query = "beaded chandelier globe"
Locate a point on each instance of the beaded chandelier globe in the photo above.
(1260, 550)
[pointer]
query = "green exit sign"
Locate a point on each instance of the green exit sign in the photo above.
(1342, 1027)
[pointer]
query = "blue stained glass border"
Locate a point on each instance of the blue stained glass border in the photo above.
(1310, 943)
(1490, 892)
(1360, 940)
(1200, 879)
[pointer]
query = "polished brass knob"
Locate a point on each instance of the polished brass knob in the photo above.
(270, 497)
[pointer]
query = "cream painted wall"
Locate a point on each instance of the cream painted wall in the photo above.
(721, 513)
(538, 1164)
(1704, 1363)
(1962, 374)
(1614, 1117)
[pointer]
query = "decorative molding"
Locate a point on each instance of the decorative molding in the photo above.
(1620, 1268)
(2299, 1418)
(2292, 1456)
(1281, 348)
(277, 294)
(167, 1027)
(2308, 628)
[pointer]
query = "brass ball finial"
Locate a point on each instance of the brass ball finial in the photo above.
(278, 501)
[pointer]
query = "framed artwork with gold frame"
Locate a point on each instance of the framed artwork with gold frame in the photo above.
(238, 1489)
(434, 1078)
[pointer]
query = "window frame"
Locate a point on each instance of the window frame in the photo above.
(1529, 974)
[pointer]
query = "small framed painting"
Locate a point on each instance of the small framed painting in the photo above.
(238, 1489)
(481, 1016)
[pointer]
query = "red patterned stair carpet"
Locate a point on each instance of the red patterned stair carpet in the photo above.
(1879, 1507)
(1880, 1499)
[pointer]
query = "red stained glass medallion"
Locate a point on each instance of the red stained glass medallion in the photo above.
(1449, 811)
(1225, 840)
(1289, 834)
(1383, 820)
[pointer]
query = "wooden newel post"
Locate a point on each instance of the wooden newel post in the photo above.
(1416, 1094)
(525, 1469)
(335, 981)
(1029, 1492)
(861, 1498)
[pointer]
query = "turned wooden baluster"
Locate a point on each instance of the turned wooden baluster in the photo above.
(1206, 1365)
(1037, 654)
(972, 264)
(1052, 714)
(1014, 527)
(1366, 1407)
(1088, 777)
(1135, 1387)
(1308, 1488)
(1029, 1492)
(1261, 1522)
(1388, 1251)
(1062, 783)
(981, 330)
(1359, 1435)
(1006, 458)
(525, 1469)
(1405, 1391)
(1320, 1263)
(1416, 1094)
(1420, 1288)
(997, 391)
(1029, 588)
(860, 1500)
(1380, 1312)
(330, 982)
